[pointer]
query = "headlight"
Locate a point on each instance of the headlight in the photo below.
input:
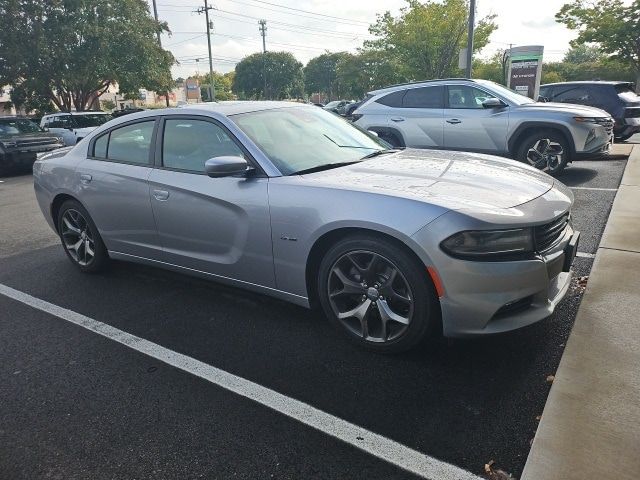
(599, 120)
(489, 244)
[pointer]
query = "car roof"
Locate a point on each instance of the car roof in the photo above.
(234, 107)
(589, 82)
(82, 112)
(391, 88)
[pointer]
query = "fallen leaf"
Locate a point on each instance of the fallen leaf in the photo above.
(538, 417)
(551, 378)
(487, 466)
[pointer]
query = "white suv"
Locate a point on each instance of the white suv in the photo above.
(74, 126)
(482, 116)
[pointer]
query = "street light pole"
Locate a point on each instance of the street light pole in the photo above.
(472, 18)
(155, 14)
(263, 32)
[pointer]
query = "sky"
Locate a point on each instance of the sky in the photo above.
(308, 28)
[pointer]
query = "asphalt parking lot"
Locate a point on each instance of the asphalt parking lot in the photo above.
(80, 405)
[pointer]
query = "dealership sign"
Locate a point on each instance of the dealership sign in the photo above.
(525, 70)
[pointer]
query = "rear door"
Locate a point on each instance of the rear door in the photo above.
(114, 188)
(420, 117)
(470, 126)
(215, 225)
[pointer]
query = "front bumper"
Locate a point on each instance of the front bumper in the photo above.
(487, 297)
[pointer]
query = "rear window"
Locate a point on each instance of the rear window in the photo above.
(624, 87)
(424, 97)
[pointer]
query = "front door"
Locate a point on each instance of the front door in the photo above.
(471, 127)
(114, 188)
(215, 225)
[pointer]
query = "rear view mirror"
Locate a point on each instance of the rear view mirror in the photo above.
(226, 166)
(493, 103)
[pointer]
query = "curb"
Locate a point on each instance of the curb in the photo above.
(590, 427)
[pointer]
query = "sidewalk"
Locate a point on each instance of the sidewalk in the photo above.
(590, 428)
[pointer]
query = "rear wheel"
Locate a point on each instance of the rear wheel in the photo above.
(80, 238)
(377, 294)
(546, 150)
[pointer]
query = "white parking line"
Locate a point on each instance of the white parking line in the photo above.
(372, 443)
(585, 255)
(595, 189)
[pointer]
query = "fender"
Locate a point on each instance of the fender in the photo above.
(512, 143)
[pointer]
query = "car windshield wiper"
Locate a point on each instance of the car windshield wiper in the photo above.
(324, 166)
(380, 152)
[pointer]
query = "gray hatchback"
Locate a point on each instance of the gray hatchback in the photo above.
(295, 202)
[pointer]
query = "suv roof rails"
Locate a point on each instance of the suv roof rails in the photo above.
(415, 82)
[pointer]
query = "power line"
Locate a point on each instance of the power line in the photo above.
(307, 11)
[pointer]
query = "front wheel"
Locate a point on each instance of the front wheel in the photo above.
(377, 294)
(545, 150)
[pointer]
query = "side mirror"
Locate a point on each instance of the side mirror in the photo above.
(226, 166)
(493, 103)
(543, 99)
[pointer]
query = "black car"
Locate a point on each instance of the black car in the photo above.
(20, 142)
(617, 98)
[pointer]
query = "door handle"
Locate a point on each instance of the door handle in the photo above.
(161, 195)
(86, 178)
(397, 119)
(454, 121)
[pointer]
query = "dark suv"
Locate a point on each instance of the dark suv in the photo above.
(617, 98)
(21, 140)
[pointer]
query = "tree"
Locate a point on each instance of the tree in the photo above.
(612, 25)
(108, 104)
(320, 74)
(284, 78)
(426, 38)
(493, 69)
(222, 84)
(366, 71)
(583, 53)
(69, 51)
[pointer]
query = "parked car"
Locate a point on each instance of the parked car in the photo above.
(482, 116)
(125, 111)
(617, 98)
(337, 106)
(21, 141)
(294, 202)
(74, 126)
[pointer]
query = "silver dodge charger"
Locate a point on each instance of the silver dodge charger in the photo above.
(292, 201)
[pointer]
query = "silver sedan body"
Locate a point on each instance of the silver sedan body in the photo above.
(267, 232)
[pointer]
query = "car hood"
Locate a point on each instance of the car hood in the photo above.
(453, 180)
(569, 108)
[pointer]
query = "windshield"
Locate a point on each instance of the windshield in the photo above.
(15, 126)
(511, 95)
(302, 138)
(90, 120)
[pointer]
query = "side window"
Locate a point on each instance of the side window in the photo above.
(187, 144)
(572, 94)
(131, 143)
(463, 96)
(60, 122)
(392, 99)
(424, 97)
(100, 146)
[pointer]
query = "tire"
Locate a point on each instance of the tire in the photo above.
(406, 299)
(76, 229)
(391, 139)
(546, 150)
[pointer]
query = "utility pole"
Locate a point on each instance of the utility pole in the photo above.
(472, 20)
(263, 31)
(205, 10)
(155, 14)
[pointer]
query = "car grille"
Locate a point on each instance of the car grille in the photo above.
(607, 123)
(36, 142)
(548, 234)
(631, 112)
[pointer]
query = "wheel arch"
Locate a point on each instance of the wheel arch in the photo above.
(323, 243)
(527, 128)
(390, 130)
(57, 202)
